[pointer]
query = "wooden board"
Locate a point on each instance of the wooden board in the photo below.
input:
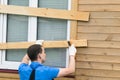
(97, 7)
(44, 12)
(103, 15)
(9, 75)
(94, 65)
(98, 65)
(99, 51)
(100, 2)
(98, 58)
(104, 44)
(106, 22)
(95, 78)
(63, 78)
(98, 29)
(8, 79)
(73, 24)
(46, 44)
(98, 36)
(99, 73)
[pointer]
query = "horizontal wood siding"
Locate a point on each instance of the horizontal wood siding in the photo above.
(101, 59)
(14, 76)
(9, 76)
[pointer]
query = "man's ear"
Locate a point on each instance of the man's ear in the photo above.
(39, 56)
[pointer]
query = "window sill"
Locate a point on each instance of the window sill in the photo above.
(8, 71)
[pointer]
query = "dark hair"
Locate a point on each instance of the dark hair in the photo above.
(33, 51)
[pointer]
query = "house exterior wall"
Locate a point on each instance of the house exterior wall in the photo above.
(101, 59)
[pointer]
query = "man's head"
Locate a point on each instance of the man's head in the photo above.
(36, 53)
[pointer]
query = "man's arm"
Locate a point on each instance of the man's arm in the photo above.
(71, 66)
(25, 59)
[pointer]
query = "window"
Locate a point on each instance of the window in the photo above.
(22, 28)
(15, 29)
(57, 30)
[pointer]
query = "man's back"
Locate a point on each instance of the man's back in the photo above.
(41, 72)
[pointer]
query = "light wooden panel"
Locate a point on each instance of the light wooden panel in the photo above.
(100, 2)
(94, 65)
(98, 29)
(95, 78)
(44, 12)
(100, 73)
(97, 7)
(9, 75)
(106, 22)
(98, 58)
(98, 65)
(103, 15)
(104, 44)
(73, 24)
(64, 78)
(98, 36)
(99, 51)
(46, 44)
(8, 79)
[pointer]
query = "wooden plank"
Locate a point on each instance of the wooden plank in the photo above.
(110, 15)
(95, 78)
(99, 36)
(64, 79)
(113, 2)
(8, 79)
(99, 73)
(46, 44)
(99, 51)
(44, 12)
(97, 7)
(73, 24)
(98, 58)
(95, 65)
(98, 65)
(98, 29)
(104, 44)
(101, 22)
(9, 75)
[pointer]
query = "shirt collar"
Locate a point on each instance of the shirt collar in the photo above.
(34, 65)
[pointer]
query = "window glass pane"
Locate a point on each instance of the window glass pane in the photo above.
(62, 4)
(53, 29)
(56, 57)
(17, 30)
(19, 2)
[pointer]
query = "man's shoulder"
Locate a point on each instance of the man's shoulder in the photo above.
(23, 66)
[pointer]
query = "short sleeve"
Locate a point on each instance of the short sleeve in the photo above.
(54, 72)
(22, 65)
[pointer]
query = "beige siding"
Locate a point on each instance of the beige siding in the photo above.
(14, 76)
(101, 59)
(9, 76)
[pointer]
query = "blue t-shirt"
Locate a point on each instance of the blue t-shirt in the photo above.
(42, 72)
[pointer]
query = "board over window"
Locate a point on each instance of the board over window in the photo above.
(20, 31)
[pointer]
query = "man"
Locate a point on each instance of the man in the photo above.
(37, 71)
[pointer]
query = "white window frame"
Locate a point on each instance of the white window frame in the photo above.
(32, 27)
